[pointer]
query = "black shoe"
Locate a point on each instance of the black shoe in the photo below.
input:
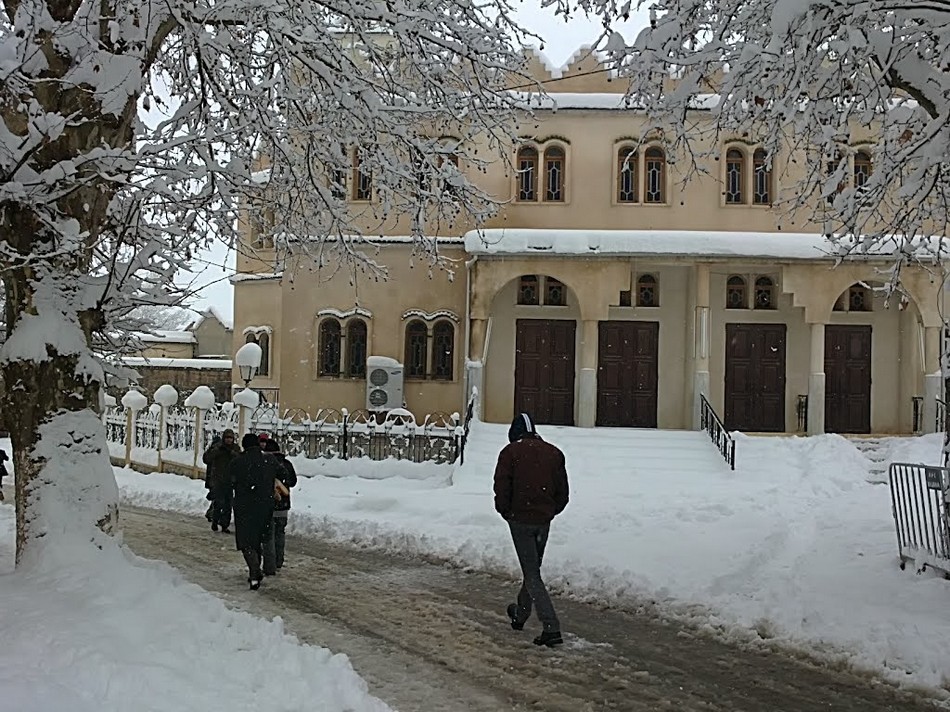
(254, 583)
(225, 530)
(549, 638)
(214, 526)
(513, 616)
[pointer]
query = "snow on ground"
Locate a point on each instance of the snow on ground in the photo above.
(795, 544)
(106, 631)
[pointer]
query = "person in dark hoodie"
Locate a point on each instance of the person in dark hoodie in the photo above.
(252, 476)
(274, 551)
(216, 460)
(530, 490)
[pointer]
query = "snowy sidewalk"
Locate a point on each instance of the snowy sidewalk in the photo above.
(794, 545)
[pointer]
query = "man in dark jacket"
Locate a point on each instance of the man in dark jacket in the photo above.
(274, 551)
(216, 460)
(530, 490)
(252, 476)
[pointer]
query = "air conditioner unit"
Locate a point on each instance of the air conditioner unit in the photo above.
(383, 383)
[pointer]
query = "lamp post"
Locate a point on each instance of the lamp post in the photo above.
(248, 360)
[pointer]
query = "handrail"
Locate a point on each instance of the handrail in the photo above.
(917, 415)
(941, 424)
(710, 422)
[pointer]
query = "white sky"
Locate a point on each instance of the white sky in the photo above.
(561, 39)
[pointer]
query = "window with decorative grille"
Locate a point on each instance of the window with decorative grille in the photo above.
(356, 348)
(735, 293)
(648, 291)
(555, 293)
(859, 298)
(764, 293)
(627, 175)
(862, 169)
(528, 290)
(655, 176)
(735, 176)
(443, 350)
(762, 178)
(330, 358)
(527, 174)
(626, 298)
(362, 179)
(554, 174)
(417, 339)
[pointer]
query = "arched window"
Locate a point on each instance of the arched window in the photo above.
(555, 293)
(735, 177)
(862, 169)
(329, 357)
(527, 165)
(417, 338)
(859, 298)
(761, 178)
(655, 176)
(528, 292)
(356, 348)
(764, 293)
(362, 178)
(835, 168)
(627, 167)
(262, 339)
(648, 291)
(554, 174)
(735, 293)
(443, 350)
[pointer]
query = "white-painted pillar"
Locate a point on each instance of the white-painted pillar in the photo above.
(701, 340)
(816, 381)
(587, 378)
(933, 380)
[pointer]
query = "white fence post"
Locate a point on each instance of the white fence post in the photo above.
(166, 396)
(201, 399)
(133, 402)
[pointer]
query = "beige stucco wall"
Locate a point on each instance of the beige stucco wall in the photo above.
(213, 339)
(167, 350)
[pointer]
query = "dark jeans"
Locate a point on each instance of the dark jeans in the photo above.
(529, 541)
(252, 556)
(221, 508)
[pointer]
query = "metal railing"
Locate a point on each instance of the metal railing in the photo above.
(941, 424)
(710, 422)
(919, 503)
(918, 417)
(801, 411)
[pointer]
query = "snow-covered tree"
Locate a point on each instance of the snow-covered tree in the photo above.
(252, 109)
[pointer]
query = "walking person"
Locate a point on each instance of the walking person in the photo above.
(530, 490)
(3, 470)
(252, 476)
(274, 551)
(217, 458)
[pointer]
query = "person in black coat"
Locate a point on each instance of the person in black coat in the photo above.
(252, 476)
(216, 460)
(274, 552)
(3, 471)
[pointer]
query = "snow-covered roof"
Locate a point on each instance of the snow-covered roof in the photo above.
(167, 318)
(213, 312)
(210, 363)
(165, 336)
(254, 277)
(598, 101)
(774, 245)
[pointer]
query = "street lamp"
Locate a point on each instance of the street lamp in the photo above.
(248, 359)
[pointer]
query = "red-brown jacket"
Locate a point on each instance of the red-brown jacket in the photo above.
(530, 481)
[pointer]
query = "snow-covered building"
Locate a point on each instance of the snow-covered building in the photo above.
(609, 292)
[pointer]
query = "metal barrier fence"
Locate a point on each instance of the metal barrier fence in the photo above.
(710, 422)
(920, 495)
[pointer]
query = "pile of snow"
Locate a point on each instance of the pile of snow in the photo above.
(101, 630)
(794, 545)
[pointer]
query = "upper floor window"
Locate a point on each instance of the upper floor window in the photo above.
(764, 293)
(654, 175)
(627, 169)
(362, 178)
(528, 292)
(648, 292)
(356, 348)
(329, 344)
(735, 176)
(554, 174)
(555, 294)
(527, 166)
(419, 362)
(862, 169)
(835, 167)
(857, 298)
(262, 339)
(417, 338)
(443, 350)
(761, 178)
(735, 292)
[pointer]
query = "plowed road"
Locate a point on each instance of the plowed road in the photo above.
(432, 638)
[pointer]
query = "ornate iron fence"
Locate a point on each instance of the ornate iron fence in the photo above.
(713, 426)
